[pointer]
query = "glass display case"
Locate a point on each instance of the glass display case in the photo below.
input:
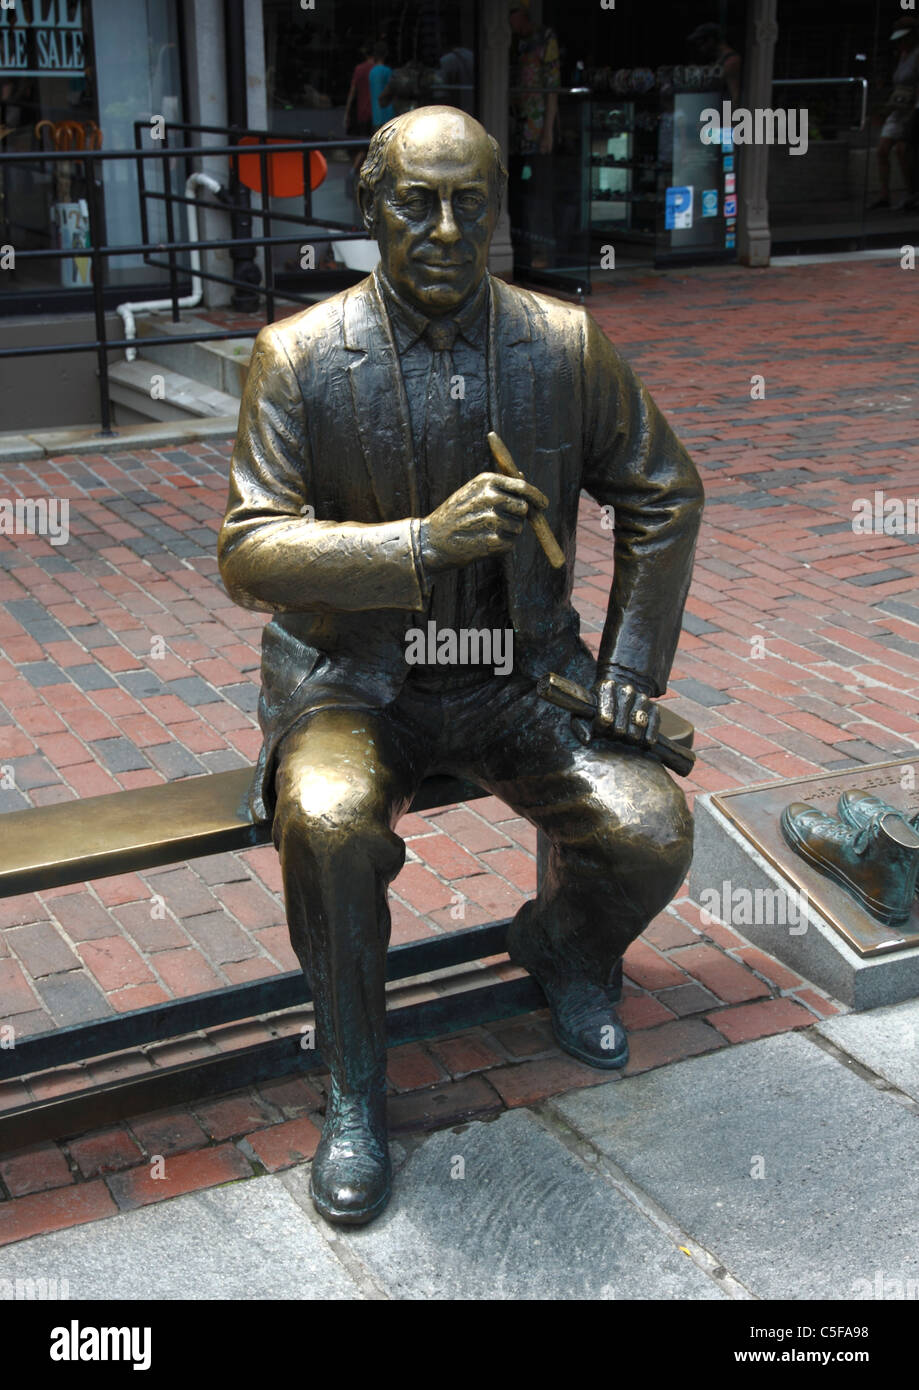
(630, 180)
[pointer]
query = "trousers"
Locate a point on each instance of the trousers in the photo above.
(619, 828)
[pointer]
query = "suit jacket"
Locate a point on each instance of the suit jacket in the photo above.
(324, 424)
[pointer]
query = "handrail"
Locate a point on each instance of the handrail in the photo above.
(829, 81)
(98, 251)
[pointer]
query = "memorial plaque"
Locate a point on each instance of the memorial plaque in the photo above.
(756, 813)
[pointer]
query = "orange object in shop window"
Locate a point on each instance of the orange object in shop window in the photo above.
(285, 171)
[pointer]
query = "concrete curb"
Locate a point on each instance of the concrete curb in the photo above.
(87, 439)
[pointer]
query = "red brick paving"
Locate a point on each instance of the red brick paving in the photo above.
(285, 1144)
(800, 651)
(760, 1020)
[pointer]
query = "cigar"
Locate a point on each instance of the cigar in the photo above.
(506, 465)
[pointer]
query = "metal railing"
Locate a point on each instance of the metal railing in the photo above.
(99, 251)
(861, 82)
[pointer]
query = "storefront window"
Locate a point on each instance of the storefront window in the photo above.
(347, 66)
(607, 167)
(74, 76)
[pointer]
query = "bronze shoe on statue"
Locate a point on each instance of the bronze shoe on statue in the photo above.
(877, 863)
(584, 1021)
(351, 1177)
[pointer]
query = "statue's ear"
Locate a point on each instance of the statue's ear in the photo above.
(367, 203)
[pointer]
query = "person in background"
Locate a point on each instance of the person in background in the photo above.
(899, 129)
(533, 118)
(711, 47)
(454, 84)
(358, 107)
(378, 80)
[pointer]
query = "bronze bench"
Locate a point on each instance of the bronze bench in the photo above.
(126, 831)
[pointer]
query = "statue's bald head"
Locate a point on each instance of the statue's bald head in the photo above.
(432, 132)
(430, 190)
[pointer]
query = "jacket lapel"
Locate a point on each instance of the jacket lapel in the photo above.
(381, 415)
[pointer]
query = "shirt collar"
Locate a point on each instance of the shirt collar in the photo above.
(409, 324)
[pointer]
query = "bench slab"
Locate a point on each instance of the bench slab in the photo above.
(122, 832)
(125, 831)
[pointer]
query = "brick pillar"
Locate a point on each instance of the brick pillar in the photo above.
(755, 239)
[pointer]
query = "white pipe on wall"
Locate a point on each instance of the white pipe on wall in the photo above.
(189, 301)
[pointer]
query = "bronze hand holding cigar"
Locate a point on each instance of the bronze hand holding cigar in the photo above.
(485, 517)
(553, 551)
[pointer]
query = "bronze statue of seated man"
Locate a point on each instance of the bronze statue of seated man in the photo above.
(365, 509)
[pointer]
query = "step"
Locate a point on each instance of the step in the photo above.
(220, 365)
(177, 396)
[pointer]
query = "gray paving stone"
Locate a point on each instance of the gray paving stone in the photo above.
(26, 610)
(120, 754)
(835, 1154)
(223, 760)
(244, 696)
(688, 999)
(896, 606)
(93, 635)
(47, 631)
(700, 692)
(33, 771)
(42, 949)
(175, 760)
(886, 1040)
(219, 937)
(91, 676)
(141, 684)
(697, 626)
(528, 1220)
(193, 690)
(41, 673)
(877, 577)
(72, 998)
(868, 752)
(12, 800)
(248, 1240)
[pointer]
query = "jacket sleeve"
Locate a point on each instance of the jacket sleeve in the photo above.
(634, 462)
(273, 555)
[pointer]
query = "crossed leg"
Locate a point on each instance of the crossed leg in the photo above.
(621, 842)
(620, 834)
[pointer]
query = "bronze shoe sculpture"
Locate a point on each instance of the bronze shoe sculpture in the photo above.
(584, 1020)
(351, 1177)
(877, 863)
(860, 808)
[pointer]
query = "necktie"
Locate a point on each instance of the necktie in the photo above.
(441, 334)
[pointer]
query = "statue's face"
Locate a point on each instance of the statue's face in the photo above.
(435, 212)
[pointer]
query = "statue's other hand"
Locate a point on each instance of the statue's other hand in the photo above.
(484, 517)
(623, 712)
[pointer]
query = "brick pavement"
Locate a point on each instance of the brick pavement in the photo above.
(123, 663)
